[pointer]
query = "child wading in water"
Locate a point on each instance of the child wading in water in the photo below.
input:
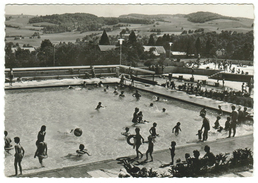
(19, 153)
(99, 106)
(41, 152)
(172, 151)
(176, 128)
(150, 148)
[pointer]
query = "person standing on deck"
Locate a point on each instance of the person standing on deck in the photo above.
(11, 76)
(234, 117)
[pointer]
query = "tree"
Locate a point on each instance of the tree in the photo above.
(132, 37)
(198, 45)
(104, 40)
(45, 43)
(151, 41)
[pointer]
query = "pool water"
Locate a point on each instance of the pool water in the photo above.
(62, 109)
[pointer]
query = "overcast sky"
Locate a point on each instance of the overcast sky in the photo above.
(116, 10)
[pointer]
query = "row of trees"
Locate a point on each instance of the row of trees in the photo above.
(236, 46)
(80, 22)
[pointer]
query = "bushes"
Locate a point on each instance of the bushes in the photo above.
(195, 167)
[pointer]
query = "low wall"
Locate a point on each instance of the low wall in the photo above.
(184, 70)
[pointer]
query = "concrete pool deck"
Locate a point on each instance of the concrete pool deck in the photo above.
(157, 90)
(111, 168)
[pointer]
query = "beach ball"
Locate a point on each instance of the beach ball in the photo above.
(77, 132)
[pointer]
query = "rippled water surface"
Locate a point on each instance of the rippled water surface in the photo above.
(61, 110)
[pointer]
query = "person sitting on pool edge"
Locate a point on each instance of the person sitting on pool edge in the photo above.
(82, 151)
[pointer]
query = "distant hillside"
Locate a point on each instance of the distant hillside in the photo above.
(201, 17)
(158, 17)
(81, 22)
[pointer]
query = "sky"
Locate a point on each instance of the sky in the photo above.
(234, 10)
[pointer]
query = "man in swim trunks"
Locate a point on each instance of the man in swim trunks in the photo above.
(234, 117)
(206, 126)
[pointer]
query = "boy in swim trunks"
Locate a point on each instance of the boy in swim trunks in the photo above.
(19, 153)
(150, 148)
(172, 151)
(126, 133)
(153, 130)
(138, 141)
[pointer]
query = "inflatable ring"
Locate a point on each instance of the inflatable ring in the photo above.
(129, 140)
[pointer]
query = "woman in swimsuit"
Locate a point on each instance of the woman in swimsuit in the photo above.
(41, 135)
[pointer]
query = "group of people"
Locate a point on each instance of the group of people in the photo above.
(236, 117)
(41, 149)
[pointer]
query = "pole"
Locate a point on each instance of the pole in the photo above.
(54, 57)
(120, 54)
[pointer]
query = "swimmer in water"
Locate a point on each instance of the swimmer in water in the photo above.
(41, 152)
(82, 151)
(176, 128)
(122, 94)
(115, 91)
(151, 104)
(126, 133)
(136, 95)
(99, 106)
(216, 124)
(164, 110)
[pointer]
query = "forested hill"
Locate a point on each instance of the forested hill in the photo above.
(201, 17)
(81, 21)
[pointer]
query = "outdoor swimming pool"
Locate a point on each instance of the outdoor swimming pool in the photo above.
(62, 109)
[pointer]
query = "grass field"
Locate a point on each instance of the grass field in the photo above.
(173, 25)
